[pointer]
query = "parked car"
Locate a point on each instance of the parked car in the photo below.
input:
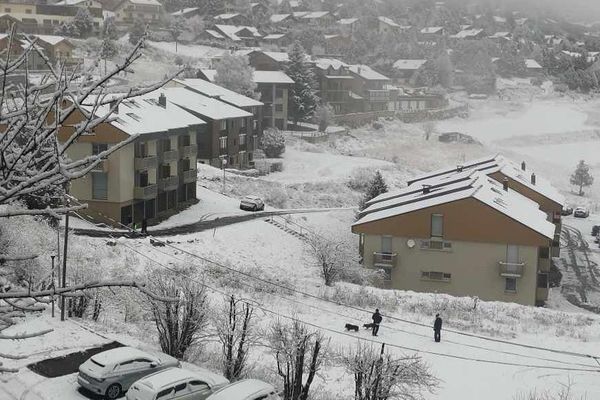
(177, 383)
(581, 212)
(112, 372)
(596, 230)
(567, 210)
(246, 389)
(252, 203)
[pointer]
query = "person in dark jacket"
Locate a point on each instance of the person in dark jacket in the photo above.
(437, 328)
(376, 321)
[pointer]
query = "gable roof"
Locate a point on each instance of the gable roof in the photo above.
(258, 76)
(347, 21)
(185, 11)
(232, 31)
(275, 18)
(388, 21)
(477, 186)
(53, 40)
(274, 36)
(532, 64)
(409, 64)
(225, 17)
(467, 33)
(432, 29)
(203, 105)
(326, 63)
(367, 73)
(218, 92)
(315, 14)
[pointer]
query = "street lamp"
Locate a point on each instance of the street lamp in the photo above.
(53, 286)
(223, 165)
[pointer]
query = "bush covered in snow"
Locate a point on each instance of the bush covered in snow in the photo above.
(272, 143)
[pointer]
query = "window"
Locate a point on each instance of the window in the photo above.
(223, 142)
(7, 10)
(242, 139)
(542, 280)
(143, 179)
(279, 107)
(544, 252)
(47, 22)
(436, 276)
(510, 284)
(180, 387)
(512, 254)
(255, 124)
(437, 225)
(196, 385)
(386, 244)
(165, 170)
(243, 122)
(223, 125)
(28, 11)
(164, 393)
(98, 148)
(99, 186)
(278, 92)
(142, 149)
(166, 144)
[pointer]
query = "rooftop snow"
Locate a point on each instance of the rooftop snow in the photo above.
(120, 354)
(499, 35)
(224, 17)
(245, 387)
(274, 36)
(388, 21)
(211, 90)
(51, 39)
(532, 64)
(366, 72)
(259, 76)
(326, 63)
(478, 186)
(231, 31)
(409, 64)
(171, 375)
(184, 11)
(279, 17)
(146, 2)
(347, 21)
(214, 34)
(467, 33)
(316, 14)
(432, 29)
(203, 105)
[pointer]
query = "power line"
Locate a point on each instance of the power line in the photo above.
(266, 310)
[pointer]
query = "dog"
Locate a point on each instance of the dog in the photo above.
(368, 326)
(350, 327)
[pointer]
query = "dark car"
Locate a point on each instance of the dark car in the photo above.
(596, 230)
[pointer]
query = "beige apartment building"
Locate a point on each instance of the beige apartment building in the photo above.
(128, 11)
(150, 178)
(464, 237)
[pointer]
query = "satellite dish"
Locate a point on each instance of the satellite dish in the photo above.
(410, 243)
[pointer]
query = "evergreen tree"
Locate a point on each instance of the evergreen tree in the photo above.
(235, 73)
(582, 177)
(376, 187)
(108, 50)
(84, 22)
(137, 31)
(303, 100)
(511, 62)
(109, 29)
(176, 28)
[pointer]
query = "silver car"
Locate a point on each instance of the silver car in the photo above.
(112, 372)
(252, 203)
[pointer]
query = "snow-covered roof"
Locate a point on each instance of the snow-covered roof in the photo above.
(210, 74)
(271, 77)
(231, 31)
(315, 14)
(203, 105)
(478, 186)
(432, 29)
(212, 90)
(532, 64)
(299, 14)
(214, 34)
(347, 21)
(366, 72)
(146, 2)
(245, 387)
(498, 163)
(467, 33)
(121, 354)
(499, 35)
(388, 21)
(52, 39)
(167, 377)
(224, 17)
(279, 56)
(326, 63)
(184, 11)
(69, 2)
(275, 18)
(409, 64)
(332, 36)
(143, 114)
(274, 36)
(500, 20)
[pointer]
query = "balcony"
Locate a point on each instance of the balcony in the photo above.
(511, 270)
(171, 155)
(378, 95)
(189, 176)
(170, 183)
(188, 151)
(384, 259)
(144, 163)
(146, 192)
(102, 166)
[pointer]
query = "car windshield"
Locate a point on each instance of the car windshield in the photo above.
(97, 363)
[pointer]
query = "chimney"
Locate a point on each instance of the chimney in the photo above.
(426, 189)
(523, 166)
(115, 104)
(505, 184)
(459, 168)
(533, 178)
(162, 100)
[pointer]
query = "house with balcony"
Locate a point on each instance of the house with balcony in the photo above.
(248, 143)
(247, 35)
(229, 130)
(336, 85)
(405, 69)
(371, 86)
(150, 178)
(127, 11)
(519, 178)
(469, 235)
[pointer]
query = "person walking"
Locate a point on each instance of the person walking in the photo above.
(437, 328)
(376, 321)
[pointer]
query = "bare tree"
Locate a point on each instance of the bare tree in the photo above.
(564, 393)
(179, 323)
(236, 333)
(381, 376)
(299, 354)
(428, 129)
(329, 255)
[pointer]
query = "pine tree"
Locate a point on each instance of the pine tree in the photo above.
(109, 29)
(235, 73)
(108, 50)
(84, 22)
(176, 28)
(376, 187)
(138, 30)
(303, 101)
(582, 177)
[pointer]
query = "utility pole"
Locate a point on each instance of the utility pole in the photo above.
(53, 284)
(224, 164)
(64, 270)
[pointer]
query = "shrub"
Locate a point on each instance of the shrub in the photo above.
(273, 143)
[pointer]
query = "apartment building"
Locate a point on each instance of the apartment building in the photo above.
(519, 178)
(44, 18)
(150, 178)
(249, 139)
(371, 86)
(128, 11)
(468, 235)
(336, 86)
(228, 128)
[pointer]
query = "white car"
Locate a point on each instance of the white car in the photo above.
(252, 203)
(177, 383)
(246, 389)
(581, 212)
(112, 372)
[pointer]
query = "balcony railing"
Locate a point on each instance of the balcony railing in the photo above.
(188, 151)
(378, 95)
(385, 259)
(513, 270)
(189, 176)
(144, 163)
(169, 183)
(171, 155)
(146, 192)
(102, 166)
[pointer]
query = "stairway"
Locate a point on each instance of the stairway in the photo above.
(288, 227)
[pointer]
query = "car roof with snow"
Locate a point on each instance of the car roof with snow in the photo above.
(164, 378)
(121, 354)
(242, 390)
